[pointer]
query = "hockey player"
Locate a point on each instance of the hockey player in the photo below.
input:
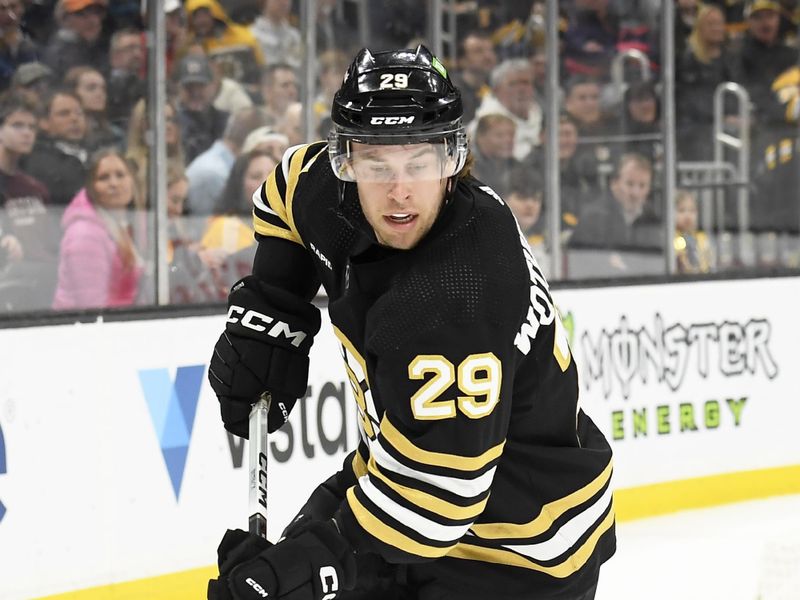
(477, 474)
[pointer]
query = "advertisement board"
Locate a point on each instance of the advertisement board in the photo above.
(114, 465)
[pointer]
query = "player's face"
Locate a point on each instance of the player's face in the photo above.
(113, 183)
(18, 133)
(400, 190)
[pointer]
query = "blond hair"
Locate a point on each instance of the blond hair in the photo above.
(699, 48)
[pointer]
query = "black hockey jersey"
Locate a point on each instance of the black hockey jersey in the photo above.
(476, 466)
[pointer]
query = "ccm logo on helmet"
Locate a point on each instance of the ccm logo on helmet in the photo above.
(391, 120)
(256, 321)
(257, 587)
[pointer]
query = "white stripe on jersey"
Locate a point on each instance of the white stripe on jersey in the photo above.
(430, 529)
(285, 161)
(568, 534)
(466, 488)
(259, 203)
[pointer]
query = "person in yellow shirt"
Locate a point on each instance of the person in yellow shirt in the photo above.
(693, 251)
(227, 43)
(229, 233)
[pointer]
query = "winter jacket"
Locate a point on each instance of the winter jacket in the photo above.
(91, 272)
(59, 165)
(233, 43)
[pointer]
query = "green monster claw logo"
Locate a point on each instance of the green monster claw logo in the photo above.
(439, 67)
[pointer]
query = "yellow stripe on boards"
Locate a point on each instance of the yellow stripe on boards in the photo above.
(186, 585)
(453, 461)
(704, 492)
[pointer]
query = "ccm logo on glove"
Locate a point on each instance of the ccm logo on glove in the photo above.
(253, 319)
(255, 585)
(330, 582)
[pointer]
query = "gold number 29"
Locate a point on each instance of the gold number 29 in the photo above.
(479, 377)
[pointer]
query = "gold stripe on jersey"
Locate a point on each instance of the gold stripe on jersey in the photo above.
(300, 162)
(427, 501)
(270, 230)
(549, 513)
(389, 535)
(273, 225)
(407, 449)
(565, 568)
(359, 466)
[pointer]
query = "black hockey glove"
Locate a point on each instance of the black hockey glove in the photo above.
(264, 348)
(316, 563)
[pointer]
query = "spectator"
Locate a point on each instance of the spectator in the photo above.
(226, 42)
(279, 88)
(229, 95)
(28, 231)
(641, 117)
(513, 96)
(693, 251)
(279, 40)
(59, 157)
(266, 139)
(208, 172)
(177, 34)
(199, 121)
(89, 85)
(590, 38)
(34, 80)
(582, 102)
(760, 56)
(704, 65)
(493, 151)
(190, 278)
(623, 219)
(230, 232)
(126, 83)
(476, 60)
(99, 263)
(539, 69)
(292, 124)
(79, 40)
(332, 65)
(579, 182)
(16, 48)
(334, 33)
(524, 198)
(38, 20)
(138, 147)
(685, 19)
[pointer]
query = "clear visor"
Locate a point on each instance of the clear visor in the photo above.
(408, 160)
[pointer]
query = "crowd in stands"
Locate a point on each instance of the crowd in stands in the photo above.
(76, 218)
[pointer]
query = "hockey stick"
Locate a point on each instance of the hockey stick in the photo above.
(258, 466)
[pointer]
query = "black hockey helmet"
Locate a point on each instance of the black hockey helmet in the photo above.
(397, 98)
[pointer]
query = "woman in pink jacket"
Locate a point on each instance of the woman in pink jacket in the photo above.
(99, 265)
